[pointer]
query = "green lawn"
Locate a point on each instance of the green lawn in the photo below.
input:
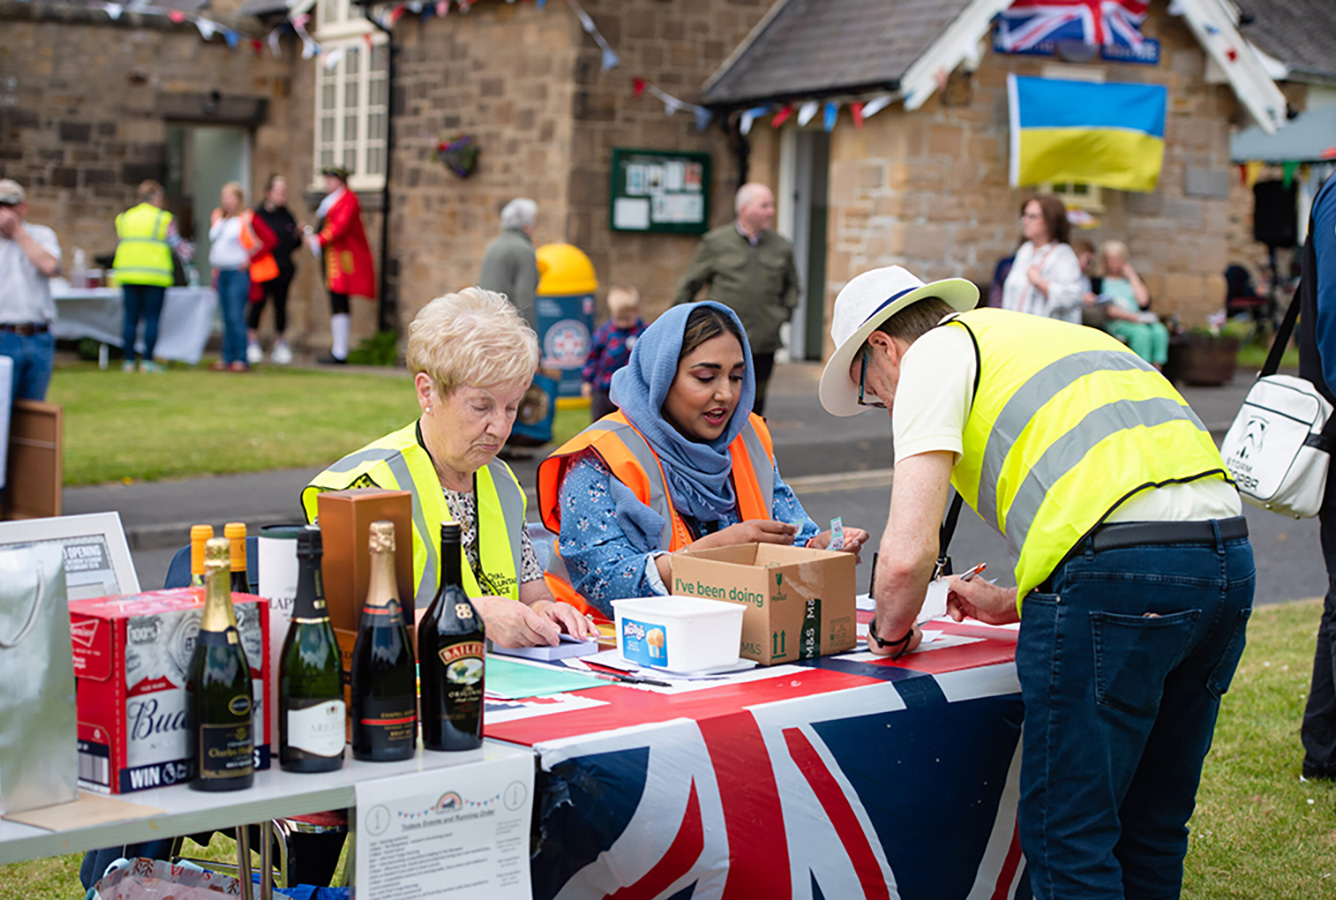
(190, 422)
(1259, 832)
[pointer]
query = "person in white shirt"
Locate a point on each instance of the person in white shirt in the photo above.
(1134, 574)
(29, 257)
(1045, 278)
(230, 258)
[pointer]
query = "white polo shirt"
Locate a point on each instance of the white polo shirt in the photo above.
(25, 293)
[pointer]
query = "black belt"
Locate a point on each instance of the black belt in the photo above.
(25, 329)
(1137, 534)
(1117, 535)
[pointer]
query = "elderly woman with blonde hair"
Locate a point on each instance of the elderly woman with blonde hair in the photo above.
(472, 358)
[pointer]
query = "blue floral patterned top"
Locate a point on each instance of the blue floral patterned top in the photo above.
(606, 563)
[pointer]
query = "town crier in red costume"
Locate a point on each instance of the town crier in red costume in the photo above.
(348, 266)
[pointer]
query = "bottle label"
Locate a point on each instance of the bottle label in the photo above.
(463, 662)
(317, 729)
(225, 751)
(387, 723)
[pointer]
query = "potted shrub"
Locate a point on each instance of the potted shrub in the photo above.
(1205, 354)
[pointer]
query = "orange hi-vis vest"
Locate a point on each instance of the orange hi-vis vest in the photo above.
(262, 267)
(633, 462)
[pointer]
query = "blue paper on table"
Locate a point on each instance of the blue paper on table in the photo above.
(513, 680)
(567, 648)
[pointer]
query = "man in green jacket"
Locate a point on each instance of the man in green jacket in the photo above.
(509, 265)
(749, 269)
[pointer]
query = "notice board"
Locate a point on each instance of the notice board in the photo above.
(663, 191)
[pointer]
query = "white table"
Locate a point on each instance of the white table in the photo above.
(275, 794)
(6, 391)
(98, 313)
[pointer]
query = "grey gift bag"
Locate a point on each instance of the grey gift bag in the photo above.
(39, 761)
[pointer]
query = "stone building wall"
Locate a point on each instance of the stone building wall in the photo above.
(928, 189)
(501, 74)
(676, 46)
(85, 103)
(527, 84)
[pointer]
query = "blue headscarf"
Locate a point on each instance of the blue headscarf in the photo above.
(697, 472)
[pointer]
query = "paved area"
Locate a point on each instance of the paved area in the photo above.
(845, 462)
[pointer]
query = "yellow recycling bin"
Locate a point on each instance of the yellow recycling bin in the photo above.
(565, 313)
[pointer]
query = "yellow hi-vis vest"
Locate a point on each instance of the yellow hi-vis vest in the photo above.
(143, 255)
(1066, 424)
(398, 462)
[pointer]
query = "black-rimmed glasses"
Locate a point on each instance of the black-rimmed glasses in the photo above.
(862, 388)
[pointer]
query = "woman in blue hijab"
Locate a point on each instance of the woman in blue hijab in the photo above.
(683, 463)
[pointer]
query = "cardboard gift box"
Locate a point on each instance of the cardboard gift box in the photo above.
(131, 657)
(800, 602)
(345, 530)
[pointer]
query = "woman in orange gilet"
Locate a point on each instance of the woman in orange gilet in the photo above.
(682, 464)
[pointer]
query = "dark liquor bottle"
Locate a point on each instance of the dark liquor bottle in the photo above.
(199, 534)
(218, 686)
(384, 677)
(450, 653)
(235, 532)
(311, 713)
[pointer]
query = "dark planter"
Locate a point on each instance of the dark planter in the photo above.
(1202, 359)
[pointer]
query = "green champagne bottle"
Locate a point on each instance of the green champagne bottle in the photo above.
(384, 676)
(218, 686)
(311, 713)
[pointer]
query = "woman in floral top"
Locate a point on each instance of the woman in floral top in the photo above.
(688, 391)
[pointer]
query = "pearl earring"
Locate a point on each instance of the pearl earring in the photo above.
(428, 410)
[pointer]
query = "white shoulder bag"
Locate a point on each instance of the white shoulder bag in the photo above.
(1279, 449)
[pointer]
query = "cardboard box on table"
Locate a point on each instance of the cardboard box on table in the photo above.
(131, 658)
(800, 602)
(345, 530)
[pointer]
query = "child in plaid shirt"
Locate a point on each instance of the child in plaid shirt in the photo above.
(611, 348)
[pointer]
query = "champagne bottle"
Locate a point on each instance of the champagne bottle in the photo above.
(311, 713)
(450, 654)
(384, 677)
(199, 534)
(235, 532)
(218, 686)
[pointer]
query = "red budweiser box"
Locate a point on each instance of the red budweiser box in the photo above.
(131, 655)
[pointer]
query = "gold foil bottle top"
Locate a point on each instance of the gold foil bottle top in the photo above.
(236, 536)
(382, 537)
(217, 554)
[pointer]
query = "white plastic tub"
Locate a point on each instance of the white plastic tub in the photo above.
(684, 634)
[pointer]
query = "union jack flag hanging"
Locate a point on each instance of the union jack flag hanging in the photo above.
(1103, 23)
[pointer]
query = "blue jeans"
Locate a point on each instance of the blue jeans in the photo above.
(1122, 668)
(32, 355)
(141, 300)
(233, 292)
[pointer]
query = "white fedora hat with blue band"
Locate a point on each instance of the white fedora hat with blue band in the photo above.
(862, 305)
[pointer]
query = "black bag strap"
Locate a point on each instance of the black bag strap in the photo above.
(944, 536)
(1282, 337)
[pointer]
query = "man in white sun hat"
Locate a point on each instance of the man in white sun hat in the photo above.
(1133, 568)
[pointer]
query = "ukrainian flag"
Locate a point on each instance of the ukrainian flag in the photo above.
(1086, 133)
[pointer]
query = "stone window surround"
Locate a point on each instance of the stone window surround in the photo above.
(339, 26)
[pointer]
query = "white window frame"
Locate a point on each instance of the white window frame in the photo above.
(341, 27)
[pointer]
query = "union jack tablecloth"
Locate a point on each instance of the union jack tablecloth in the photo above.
(842, 777)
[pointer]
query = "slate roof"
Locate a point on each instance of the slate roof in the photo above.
(1299, 33)
(813, 48)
